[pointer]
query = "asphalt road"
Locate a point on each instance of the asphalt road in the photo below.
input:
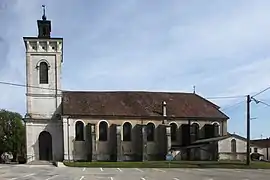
(34, 172)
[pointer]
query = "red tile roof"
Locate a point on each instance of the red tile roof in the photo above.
(138, 104)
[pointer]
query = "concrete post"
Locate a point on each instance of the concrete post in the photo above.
(144, 143)
(94, 143)
(119, 143)
(168, 134)
(66, 138)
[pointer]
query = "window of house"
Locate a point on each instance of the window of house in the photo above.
(195, 129)
(173, 131)
(127, 131)
(233, 146)
(216, 129)
(79, 128)
(43, 73)
(103, 131)
(256, 150)
(150, 127)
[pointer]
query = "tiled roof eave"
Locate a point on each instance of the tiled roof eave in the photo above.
(146, 117)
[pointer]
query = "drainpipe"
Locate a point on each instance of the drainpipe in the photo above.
(68, 138)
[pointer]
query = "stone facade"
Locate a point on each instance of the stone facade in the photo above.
(129, 150)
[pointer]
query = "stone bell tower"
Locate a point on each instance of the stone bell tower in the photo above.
(44, 57)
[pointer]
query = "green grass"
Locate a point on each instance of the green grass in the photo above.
(173, 164)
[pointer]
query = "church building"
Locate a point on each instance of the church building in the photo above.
(105, 126)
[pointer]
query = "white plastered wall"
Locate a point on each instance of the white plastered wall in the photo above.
(33, 130)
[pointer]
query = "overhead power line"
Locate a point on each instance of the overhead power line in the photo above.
(266, 89)
(259, 101)
(210, 98)
(233, 105)
(23, 85)
(226, 97)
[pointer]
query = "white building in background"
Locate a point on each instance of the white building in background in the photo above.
(228, 147)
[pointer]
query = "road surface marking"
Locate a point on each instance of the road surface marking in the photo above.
(176, 179)
(237, 170)
(82, 178)
(23, 176)
(111, 178)
(28, 175)
(83, 169)
(139, 169)
(52, 177)
(101, 169)
(119, 169)
(143, 178)
(160, 170)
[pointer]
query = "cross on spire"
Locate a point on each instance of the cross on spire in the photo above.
(44, 13)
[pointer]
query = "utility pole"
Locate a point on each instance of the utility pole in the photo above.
(248, 130)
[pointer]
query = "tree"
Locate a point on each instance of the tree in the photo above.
(12, 133)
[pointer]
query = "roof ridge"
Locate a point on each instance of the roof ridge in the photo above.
(127, 91)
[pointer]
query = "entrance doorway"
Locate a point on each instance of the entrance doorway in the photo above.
(45, 146)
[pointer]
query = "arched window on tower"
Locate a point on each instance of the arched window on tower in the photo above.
(150, 131)
(233, 146)
(79, 128)
(43, 73)
(127, 131)
(173, 131)
(103, 131)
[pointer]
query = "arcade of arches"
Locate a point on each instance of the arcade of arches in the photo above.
(196, 132)
(108, 139)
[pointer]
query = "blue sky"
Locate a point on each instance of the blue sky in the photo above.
(221, 47)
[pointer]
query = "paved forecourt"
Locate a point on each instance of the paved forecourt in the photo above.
(41, 172)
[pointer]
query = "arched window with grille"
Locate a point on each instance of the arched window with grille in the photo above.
(173, 131)
(127, 131)
(79, 131)
(150, 132)
(103, 131)
(43, 73)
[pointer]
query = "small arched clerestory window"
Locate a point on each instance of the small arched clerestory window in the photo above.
(233, 146)
(103, 131)
(150, 127)
(79, 130)
(127, 131)
(43, 73)
(173, 131)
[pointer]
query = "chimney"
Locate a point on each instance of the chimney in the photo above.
(164, 109)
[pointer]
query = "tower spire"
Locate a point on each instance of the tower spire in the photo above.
(44, 18)
(44, 26)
